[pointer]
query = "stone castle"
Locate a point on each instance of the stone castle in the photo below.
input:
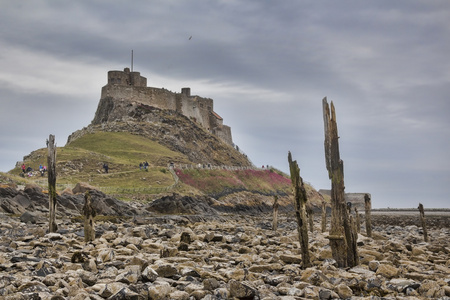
(132, 87)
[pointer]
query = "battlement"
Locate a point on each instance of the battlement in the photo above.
(132, 87)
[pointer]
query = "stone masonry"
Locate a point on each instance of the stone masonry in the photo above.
(131, 86)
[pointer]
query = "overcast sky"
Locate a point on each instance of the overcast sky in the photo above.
(267, 65)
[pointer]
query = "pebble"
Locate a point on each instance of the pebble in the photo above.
(215, 260)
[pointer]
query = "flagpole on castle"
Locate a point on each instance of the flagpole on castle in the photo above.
(131, 60)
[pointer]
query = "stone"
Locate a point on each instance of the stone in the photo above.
(344, 291)
(124, 293)
(431, 289)
(263, 268)
(29, 217)
(210, 284)
(387, 271)
(373, 265)
(241, 289)
(166, 270)
(82, 187)
(87, 277)
(291, 259)
(185, 238)
(149, 274)
(179, 295)
(159, 291)
(325, 294)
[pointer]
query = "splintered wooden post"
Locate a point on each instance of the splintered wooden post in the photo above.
(89, 214)
(341, 236)
(300, 210)
(275, 213)
(310, 214)
(368, 208)
(423, 222)
(51, 161)
(324, 216)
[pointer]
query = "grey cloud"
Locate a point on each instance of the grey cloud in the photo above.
(383, 63)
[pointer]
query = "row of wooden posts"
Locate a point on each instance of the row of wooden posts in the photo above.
(344, 229)
(343, 232)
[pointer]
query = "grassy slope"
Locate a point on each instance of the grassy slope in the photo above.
(82, 161)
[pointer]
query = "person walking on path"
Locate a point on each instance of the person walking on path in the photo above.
(105, 166)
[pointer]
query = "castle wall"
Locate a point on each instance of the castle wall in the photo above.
(197, 108)
(160, 98)
(131, 86)
(224, 133)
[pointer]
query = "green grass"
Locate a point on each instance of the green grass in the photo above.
(125, 148)
(83, 159)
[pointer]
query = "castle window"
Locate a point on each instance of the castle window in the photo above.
(111, 80)
(118, 80)
(201, 105)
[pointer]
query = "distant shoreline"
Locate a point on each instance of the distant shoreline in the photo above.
(410, 209)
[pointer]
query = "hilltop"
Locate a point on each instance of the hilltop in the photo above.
(187, 155)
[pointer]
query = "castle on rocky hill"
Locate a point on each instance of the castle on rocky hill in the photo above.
(132, 87)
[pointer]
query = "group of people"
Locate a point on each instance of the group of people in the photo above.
(28, 170)
(143, 165)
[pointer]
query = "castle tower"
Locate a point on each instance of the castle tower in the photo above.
(126, 77)
(186, 91)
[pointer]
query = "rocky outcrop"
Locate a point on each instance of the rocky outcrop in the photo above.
(33, 199)
(167, 127)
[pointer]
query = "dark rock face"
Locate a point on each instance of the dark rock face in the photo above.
(13, 201)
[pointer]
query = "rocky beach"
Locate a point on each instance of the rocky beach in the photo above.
(203, 253)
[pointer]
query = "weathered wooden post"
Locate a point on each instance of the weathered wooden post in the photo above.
(423, 222)
(310, 213)
(51, 161)
(275, 213)
(89, 214)
(341, 236)
(358, 221)
(300, 210)
(368, 208)
(324, 216)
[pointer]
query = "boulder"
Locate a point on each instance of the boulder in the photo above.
(30, 217)
(82, 187)
(387, 271)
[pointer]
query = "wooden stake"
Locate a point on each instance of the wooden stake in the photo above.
(89, 214)
(300, 210)
(310, 214)
(358, 221)
(368, 208)
(51, 161)
(341, 236)
(324, 216)
(423, 222)
(275, 213)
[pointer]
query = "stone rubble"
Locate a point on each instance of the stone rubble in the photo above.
(232, 257)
